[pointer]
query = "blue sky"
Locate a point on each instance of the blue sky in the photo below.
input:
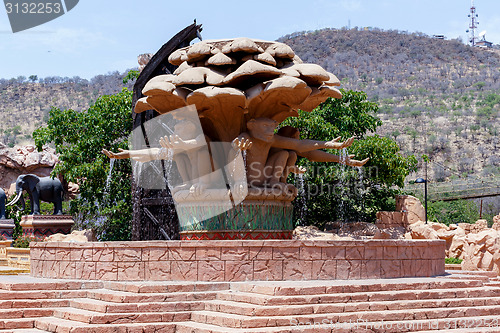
(97, 37)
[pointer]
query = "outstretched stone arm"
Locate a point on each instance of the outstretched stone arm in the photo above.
(141, 155)
(309, 145)
(323, 156)
(175, 142)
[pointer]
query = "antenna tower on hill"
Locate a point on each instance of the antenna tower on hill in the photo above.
(473, 24)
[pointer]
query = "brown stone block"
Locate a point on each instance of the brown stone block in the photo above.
(390, 252)
(81, 254)
(35, 267)
(48, 253)
(374, 252)
(128, 254)
(101, 254)
(260, 253)
(240, 270)
(184, 270)
(310, 253)
(210, 270)
(50, 269)
(130, 271)
(177, 253)
(157, 270)
(423, 267)
(438, 267)
(35, 253)
(418, 251)
(370, 269)
(324, 270)
(333, 252)
(390, 269)
(297, 269)
(207, 253)
(85, 270)
(408, 268)
(155, 254)
(107, 271)
(287, 253)
(405, 252)
(67, 270)
(231, 253)
(354, 252)
(349, 269)
(268, 270)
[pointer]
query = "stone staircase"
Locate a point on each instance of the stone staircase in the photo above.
(459, 302)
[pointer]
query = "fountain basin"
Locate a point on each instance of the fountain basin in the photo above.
(264, 214)
(238, 260)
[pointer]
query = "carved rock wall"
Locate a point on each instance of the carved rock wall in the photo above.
(22, 160)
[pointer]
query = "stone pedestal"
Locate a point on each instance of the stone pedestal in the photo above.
(7, 228)
(46, 225)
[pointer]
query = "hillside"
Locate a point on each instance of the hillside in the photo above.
(26, 102)
(436, 97)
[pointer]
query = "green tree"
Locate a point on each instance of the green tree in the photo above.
(103, 204)
(457, 211)
(336, 192)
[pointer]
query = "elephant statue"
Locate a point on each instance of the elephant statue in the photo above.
(39, 188)
(3, 200)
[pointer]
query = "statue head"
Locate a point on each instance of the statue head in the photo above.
(186, 130)
(262, 128)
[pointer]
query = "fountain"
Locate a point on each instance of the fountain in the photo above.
(213, 147)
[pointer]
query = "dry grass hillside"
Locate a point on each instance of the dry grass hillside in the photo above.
(436, 97)
(26, 102)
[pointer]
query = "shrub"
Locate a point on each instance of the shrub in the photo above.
(24, 241)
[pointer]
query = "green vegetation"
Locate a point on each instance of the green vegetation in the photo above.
(449, 212)
(454, 261)
(24, 241)
(356, 193)
(78, 138)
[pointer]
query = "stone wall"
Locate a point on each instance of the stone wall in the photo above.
(408, 210)
(23, 160)
(271, 260)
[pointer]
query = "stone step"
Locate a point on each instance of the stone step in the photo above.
(16, 323)
(260, 299)
(469, 277)
(42, 284)
(110, 307)
(259, 310)
(25, 313)
(192, 327)
(33, 303)
(58, 325)
(41, 294)
(165, 287)
(23, 330)
(92, 317)
(245, 321)
(324, 287)
(129, 297)
(484, 273)
(421, 326)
